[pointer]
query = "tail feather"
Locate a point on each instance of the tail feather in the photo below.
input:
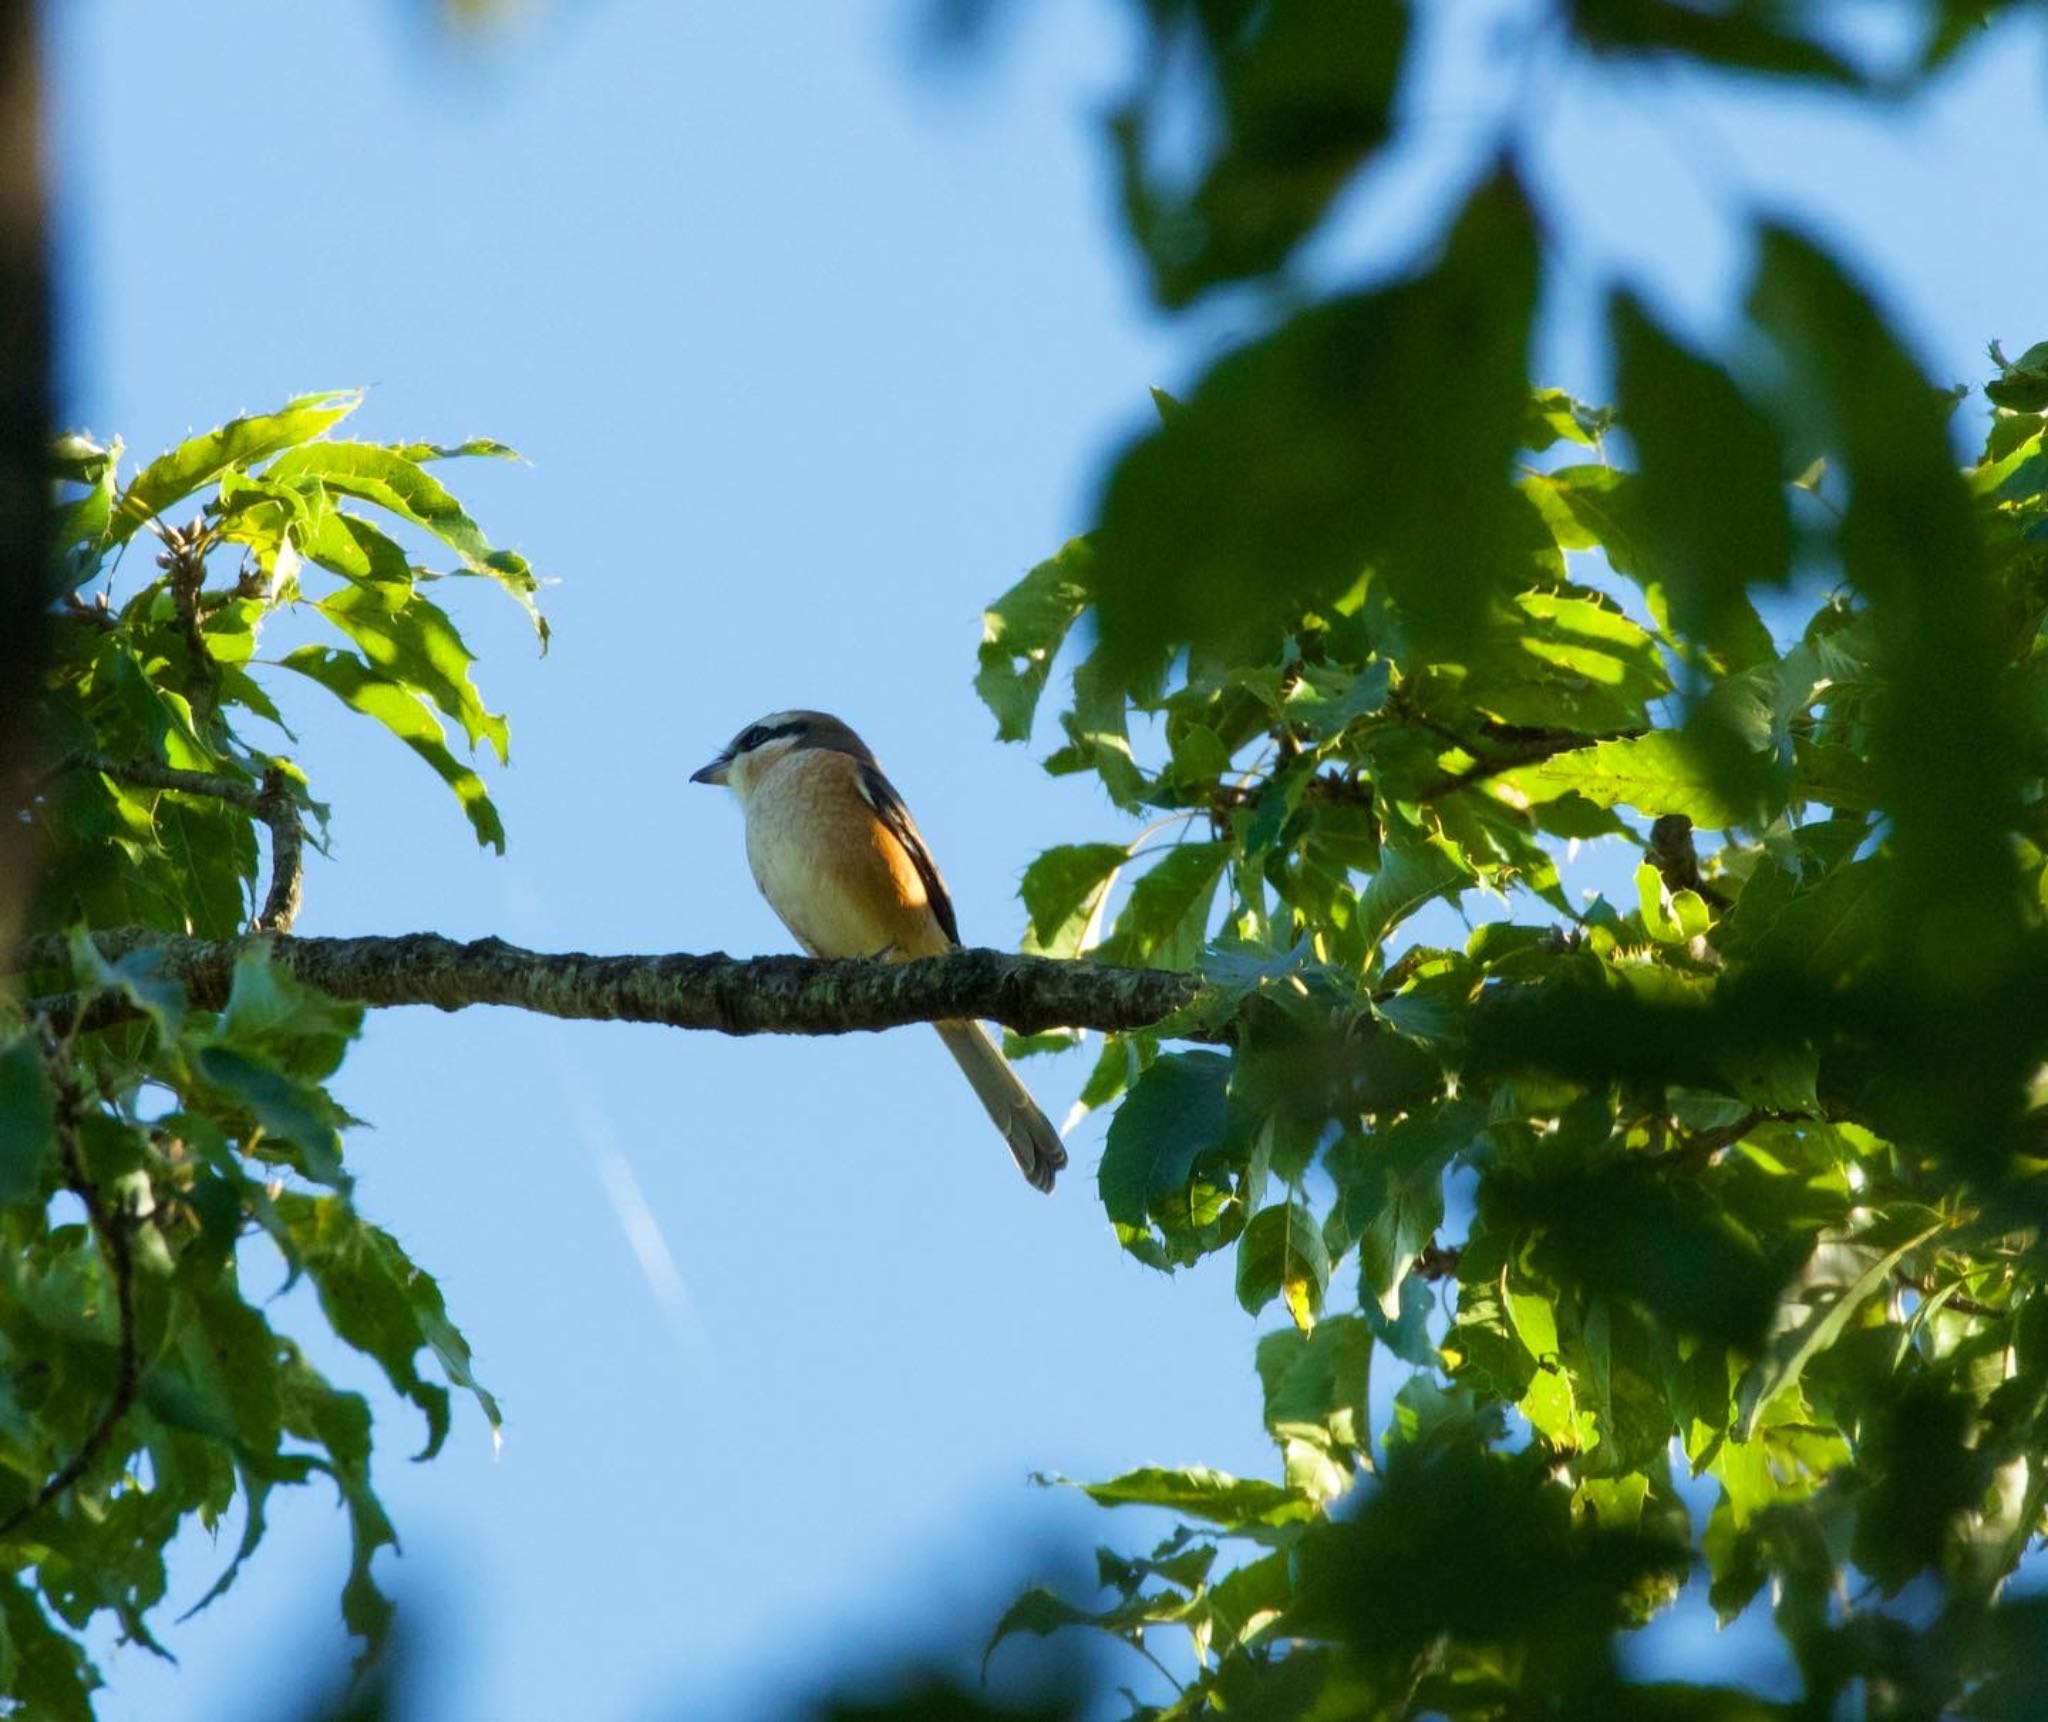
(1034, 1144)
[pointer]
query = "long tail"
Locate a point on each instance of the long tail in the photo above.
(1034, 1143)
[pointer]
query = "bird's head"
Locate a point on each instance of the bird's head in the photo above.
(749, 756)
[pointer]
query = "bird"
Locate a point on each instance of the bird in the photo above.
(834, 850)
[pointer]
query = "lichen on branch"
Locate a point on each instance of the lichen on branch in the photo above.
(733, 995)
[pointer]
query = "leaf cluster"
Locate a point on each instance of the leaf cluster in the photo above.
(1700, 1225)
(167, 1170)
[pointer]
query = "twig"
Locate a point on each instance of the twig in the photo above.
(1672, 853)
(760, 995)
(112, 1232)
(271, 802)
(1956, 1301)
(184, 563)
(275, 807)
(96, 615)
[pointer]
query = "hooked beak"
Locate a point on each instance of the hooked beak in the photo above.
(712, 773)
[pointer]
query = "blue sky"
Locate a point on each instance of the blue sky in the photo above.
(814, 347)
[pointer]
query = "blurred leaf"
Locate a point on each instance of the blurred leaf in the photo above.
(1305, 95)
(1741, 36)
(1712, 492)
(28, 1124)
(1621, 1233)
(1298, 461)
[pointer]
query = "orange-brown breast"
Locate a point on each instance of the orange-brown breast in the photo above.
(838, 878)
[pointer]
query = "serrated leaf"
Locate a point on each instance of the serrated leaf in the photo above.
(401, 711)
(1021, 633)
(1409, 875)
(296, 1112)
(1656, 774)
(384, 476)
(1202, 1493)
(80, 533)
(199, 460)
(1174, 1114)
(383, 1305)
(1165, 922)
(1061, 890)
(416, 644)
(272, 1013)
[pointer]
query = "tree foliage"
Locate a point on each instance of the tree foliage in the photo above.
(1699, 1227)
(165, 1165)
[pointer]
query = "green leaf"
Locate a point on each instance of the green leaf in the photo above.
(1174, 1113)
(1306, 95)
(1552, 661)
(296, 1112)
(1740, 38)
(417, 645)
(1554, 417)
(480, 447)
(272, 1013)
(28, 1123)
(1202, 1493)
(43, 1671)
(1409, 875)
(1656, 774)
(198, 461)
(1021, 633)
(80, 534)
(1316, 1382)
(1281, 1255)
(2021, 387)
(1166, 921)
(1405, 1330)
(1062, 889)
(386, 477)
(1620, 1232)
(1780, 1369)
(1660, 922)
(1300, 460)
(402, 712)
(383, 1305)
(1712, 495)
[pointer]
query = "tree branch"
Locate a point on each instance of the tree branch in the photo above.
(758, 995)
(270, 802)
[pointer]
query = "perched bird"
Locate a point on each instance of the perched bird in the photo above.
(839, 858)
